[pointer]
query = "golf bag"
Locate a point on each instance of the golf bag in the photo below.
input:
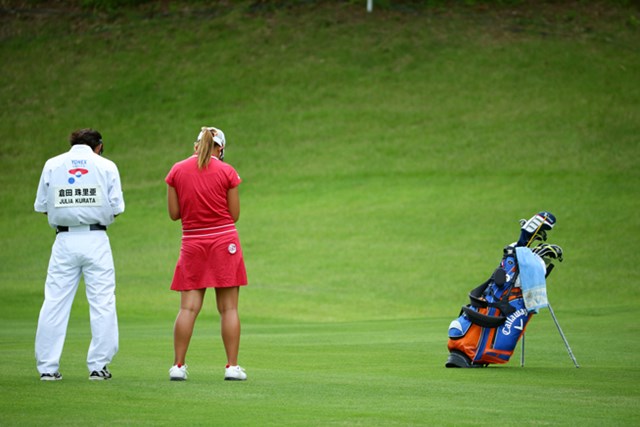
(499, 310)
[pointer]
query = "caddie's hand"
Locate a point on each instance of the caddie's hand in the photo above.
(546, 250)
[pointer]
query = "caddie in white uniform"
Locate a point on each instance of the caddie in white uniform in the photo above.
(81, 194)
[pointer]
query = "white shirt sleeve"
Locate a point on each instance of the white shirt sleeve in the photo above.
(116, 198)
(40, 205)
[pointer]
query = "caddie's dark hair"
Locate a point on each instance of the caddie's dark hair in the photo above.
(90, 137)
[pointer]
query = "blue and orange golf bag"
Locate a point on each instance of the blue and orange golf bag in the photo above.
(499, 310)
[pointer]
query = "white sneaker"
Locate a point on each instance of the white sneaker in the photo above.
(234, 373)
(178, 373)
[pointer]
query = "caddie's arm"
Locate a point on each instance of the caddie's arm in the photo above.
(116, 198)
(172, 203)
(40, 205)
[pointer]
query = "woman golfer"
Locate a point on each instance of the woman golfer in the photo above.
(203, 194)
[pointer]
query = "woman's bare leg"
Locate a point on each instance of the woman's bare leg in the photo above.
(190, 305)
(227, 301)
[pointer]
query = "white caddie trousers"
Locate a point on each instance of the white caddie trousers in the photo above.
(75, 254)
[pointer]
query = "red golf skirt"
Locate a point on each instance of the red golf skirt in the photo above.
(209, 258)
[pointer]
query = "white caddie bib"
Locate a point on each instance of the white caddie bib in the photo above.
(75, 196)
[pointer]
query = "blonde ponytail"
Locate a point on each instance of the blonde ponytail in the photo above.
(205, 148)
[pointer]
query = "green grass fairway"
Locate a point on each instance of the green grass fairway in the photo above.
(386, 160)
(348, 373)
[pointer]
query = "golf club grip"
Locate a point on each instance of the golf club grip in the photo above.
(550, 268)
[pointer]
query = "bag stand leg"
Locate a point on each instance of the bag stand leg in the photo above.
(566, 343)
